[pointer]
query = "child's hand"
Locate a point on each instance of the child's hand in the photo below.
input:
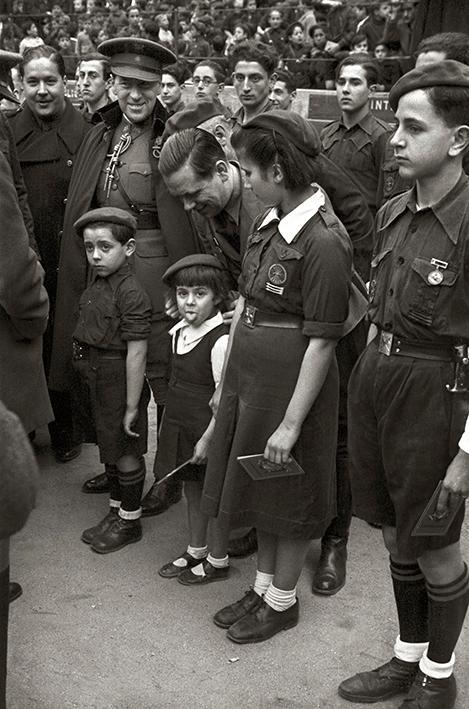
(200, 451)
(170, 308)
(129, 418)
(280, 443)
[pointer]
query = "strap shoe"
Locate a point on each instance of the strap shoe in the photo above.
(211, 573)
(429, 693)
(171, 570)
(263, 623)
(394, 677)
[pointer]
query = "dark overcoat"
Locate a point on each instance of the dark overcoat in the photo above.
(72, 275)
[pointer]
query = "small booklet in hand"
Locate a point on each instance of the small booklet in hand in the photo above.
(259, 468)
(432, 524)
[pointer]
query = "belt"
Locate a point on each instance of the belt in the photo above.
(390, 344)
(253, 317)
(80, 350)
(147, 220)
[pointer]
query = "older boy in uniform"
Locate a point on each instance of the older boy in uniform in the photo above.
(408, 396)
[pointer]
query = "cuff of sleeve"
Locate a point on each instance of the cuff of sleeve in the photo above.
(326, 330)
(464, 441)
(144, 334)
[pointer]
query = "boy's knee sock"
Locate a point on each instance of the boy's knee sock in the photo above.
(131, 488)
(411, 598)
(448, 606)
(114, 488)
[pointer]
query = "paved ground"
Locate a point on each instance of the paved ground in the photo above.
(97, 632)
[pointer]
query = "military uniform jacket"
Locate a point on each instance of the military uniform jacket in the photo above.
(72, 276)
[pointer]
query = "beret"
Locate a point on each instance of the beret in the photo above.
(113, 215)
(192, 260)
(7, 61)
(445, 73)
(192, 115)
(135, 58)
(297, 130)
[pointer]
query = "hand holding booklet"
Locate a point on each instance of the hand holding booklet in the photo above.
(259, 468)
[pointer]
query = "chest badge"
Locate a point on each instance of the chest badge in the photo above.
(277, 274)
(435, 278)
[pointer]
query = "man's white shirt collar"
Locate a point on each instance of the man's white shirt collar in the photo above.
(294, 221)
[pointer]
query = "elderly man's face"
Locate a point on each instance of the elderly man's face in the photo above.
(136, 98)
(206, 195)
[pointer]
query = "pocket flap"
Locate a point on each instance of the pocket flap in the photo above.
(285, 252)
(424, 268)
(376, 260)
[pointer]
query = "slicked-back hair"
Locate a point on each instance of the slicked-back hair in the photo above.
(217, 70)
(196, 147)
(43, 51)
(288, 79)
(97, 57)
(179, 71)
(266, 147)
(451, 103)
(363, 60)
(455, 45)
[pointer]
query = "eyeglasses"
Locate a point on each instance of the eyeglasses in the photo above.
(203, 80)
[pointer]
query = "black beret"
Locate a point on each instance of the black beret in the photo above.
(135, 58)
(192, 115)
(297, 130)
(7, 61)
(113, 215)
(193, 260)
(445, 73)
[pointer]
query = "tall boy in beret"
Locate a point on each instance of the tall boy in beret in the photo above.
(407, 394)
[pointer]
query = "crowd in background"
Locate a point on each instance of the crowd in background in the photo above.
(309, 37)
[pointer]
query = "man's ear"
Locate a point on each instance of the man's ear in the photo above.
(222, 169)
(130, 247)
(277, 173)
(460, 140)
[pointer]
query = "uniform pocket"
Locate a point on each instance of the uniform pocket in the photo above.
(140, 182)
(377, 261)
(425, 286)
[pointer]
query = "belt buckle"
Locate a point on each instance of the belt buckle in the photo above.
(385, 343)
(249, 315)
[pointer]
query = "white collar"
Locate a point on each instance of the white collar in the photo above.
(291, 223)
(191, 333)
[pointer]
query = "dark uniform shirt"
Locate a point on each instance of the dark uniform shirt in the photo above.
(308, 275)
(358, 150)
(113, 311)
(419, 289)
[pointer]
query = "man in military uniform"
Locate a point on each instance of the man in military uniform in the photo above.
(352, 141)
(118, 166)
(408, 394)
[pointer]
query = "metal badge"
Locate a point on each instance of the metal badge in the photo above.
(277, 274)
(385, 343)
(435, 277)
(249, 315)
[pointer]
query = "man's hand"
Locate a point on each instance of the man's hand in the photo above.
(455, 483)
(170, 308)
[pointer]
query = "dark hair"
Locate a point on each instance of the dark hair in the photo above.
(290, 29)
(253, 51)
(42, 51)
(451, 103)
(287, 77)
(217, 70)
(207, 276)
(179, 70)
(96, 57)
(455, 45)
(313, 29)
(363, 60)
(245, 27)
(200, 149)
(357, 38)
(266, 147)
(121, 232)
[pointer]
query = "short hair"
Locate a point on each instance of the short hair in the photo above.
(291, 28)
(266, 147)
(39, 52)
(217, 70)
(455, 45)
(121, 232)
(451, 103)
(357, 38)
(179, 70)
(196, 147)
(97, 57)
(287, 77)
(313, 29)
(207, 276)
(254, 51)
(245, 27)
(363, 60)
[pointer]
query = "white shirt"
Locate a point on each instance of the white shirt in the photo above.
(190, 336)
(291, 223)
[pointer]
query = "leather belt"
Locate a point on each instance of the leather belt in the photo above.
(253, 317)
(147, 220)
(80, 350)
(391, 344)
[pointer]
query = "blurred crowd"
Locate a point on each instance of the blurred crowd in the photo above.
(308, 37)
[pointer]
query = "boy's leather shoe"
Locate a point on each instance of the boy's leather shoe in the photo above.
(429, 693)
(119, 533)
(229, 615)
(98, 484)
(211, 573)
(329, 576)
(92, 532)
(263, 623)
(14, 591)
(160, 497)
(171, 570)
(65, 456)
(243, 546)
(394, 677)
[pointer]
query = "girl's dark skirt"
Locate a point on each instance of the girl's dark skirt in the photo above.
(260, 379)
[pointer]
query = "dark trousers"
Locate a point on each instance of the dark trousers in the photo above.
(4, 605)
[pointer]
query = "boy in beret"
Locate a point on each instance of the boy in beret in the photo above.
(109, 352)
(408, 392)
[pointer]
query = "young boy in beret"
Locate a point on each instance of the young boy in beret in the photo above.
(408, 396)
(109, 352)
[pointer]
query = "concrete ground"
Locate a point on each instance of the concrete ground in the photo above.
(106, 632)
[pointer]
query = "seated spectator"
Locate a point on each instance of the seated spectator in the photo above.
(85, 44)
(116, 19)
(389, 68)
(11, 35)
(149, 29)
(197, 46)
(133, 28)
(296, 56)
(172, 82)
(32, 38)
(284, 90)
(322, 46)
(164, 35)
(359, 44)
(66, 49)
(374, 26)
(242, 32)
(209, 81)
(274, 35)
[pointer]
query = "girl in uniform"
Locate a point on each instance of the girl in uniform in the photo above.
(199, 345)
(279, 393)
